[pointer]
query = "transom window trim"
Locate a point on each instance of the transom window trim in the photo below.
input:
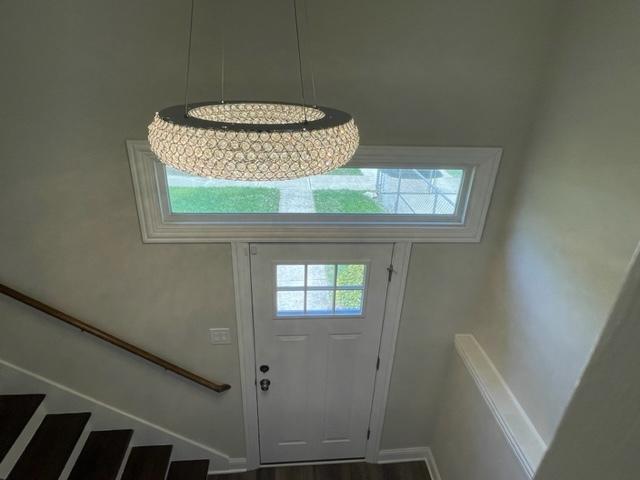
(480, 164)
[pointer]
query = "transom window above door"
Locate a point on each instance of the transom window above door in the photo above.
(385, 193)
(320, 289)
(345, 191)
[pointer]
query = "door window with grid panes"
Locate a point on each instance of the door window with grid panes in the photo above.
(320, 289)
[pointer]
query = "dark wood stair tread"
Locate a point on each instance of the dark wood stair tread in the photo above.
(102, 455)
(15, 413)
(147, 463)
(47, 453)
(189, 470)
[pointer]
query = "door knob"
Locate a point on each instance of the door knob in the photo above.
(264, 384)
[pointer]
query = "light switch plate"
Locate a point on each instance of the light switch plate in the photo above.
(220, 336)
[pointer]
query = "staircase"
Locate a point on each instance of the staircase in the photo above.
(56, 447)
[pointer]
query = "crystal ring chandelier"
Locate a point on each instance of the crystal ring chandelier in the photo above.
(253, 140)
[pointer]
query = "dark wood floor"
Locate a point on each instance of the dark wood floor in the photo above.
(344, 471)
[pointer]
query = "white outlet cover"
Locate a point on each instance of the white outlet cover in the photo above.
(219, 336)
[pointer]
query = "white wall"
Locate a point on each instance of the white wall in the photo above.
(560, 267)
(599, 434)
(79, 77)
(574, 224)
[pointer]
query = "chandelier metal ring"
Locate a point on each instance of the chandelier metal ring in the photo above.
(331, 117)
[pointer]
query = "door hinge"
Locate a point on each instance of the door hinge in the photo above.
(378, 364)
(368, 434)
(390, 270)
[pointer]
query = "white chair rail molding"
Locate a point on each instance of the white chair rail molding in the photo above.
(519, 432)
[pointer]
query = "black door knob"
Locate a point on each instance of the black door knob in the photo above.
(264, 384)
(264, 368)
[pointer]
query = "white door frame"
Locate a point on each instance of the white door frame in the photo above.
(246, 347)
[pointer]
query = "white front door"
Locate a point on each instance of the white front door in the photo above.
(318, 313)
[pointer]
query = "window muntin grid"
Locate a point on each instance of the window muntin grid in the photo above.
(327, 289)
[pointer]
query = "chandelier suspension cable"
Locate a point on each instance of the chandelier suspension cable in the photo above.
(304, 103)
(222, 57)
(253, 140)
(186, 80)
(307, 29)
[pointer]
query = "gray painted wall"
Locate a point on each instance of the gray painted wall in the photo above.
(559, 269)
(574, 224)
(599, 434)
(80, 77)
(468, 444)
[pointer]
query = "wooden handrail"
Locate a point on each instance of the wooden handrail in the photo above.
(107, 337)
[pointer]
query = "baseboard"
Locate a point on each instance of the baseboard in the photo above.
(61, 399)
(411, 454)
(234, 465)
(396, 455)
(519, 431)
(430, 460)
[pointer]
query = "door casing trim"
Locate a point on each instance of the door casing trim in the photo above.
(246, 347)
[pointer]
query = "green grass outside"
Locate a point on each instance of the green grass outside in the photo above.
(348, 300)
(224, 200)
(346, 171)
(344, 201)
(349, 275)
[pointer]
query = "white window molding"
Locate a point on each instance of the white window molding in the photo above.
(160, 225)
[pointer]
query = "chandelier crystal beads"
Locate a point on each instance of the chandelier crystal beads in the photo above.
(253, 140)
